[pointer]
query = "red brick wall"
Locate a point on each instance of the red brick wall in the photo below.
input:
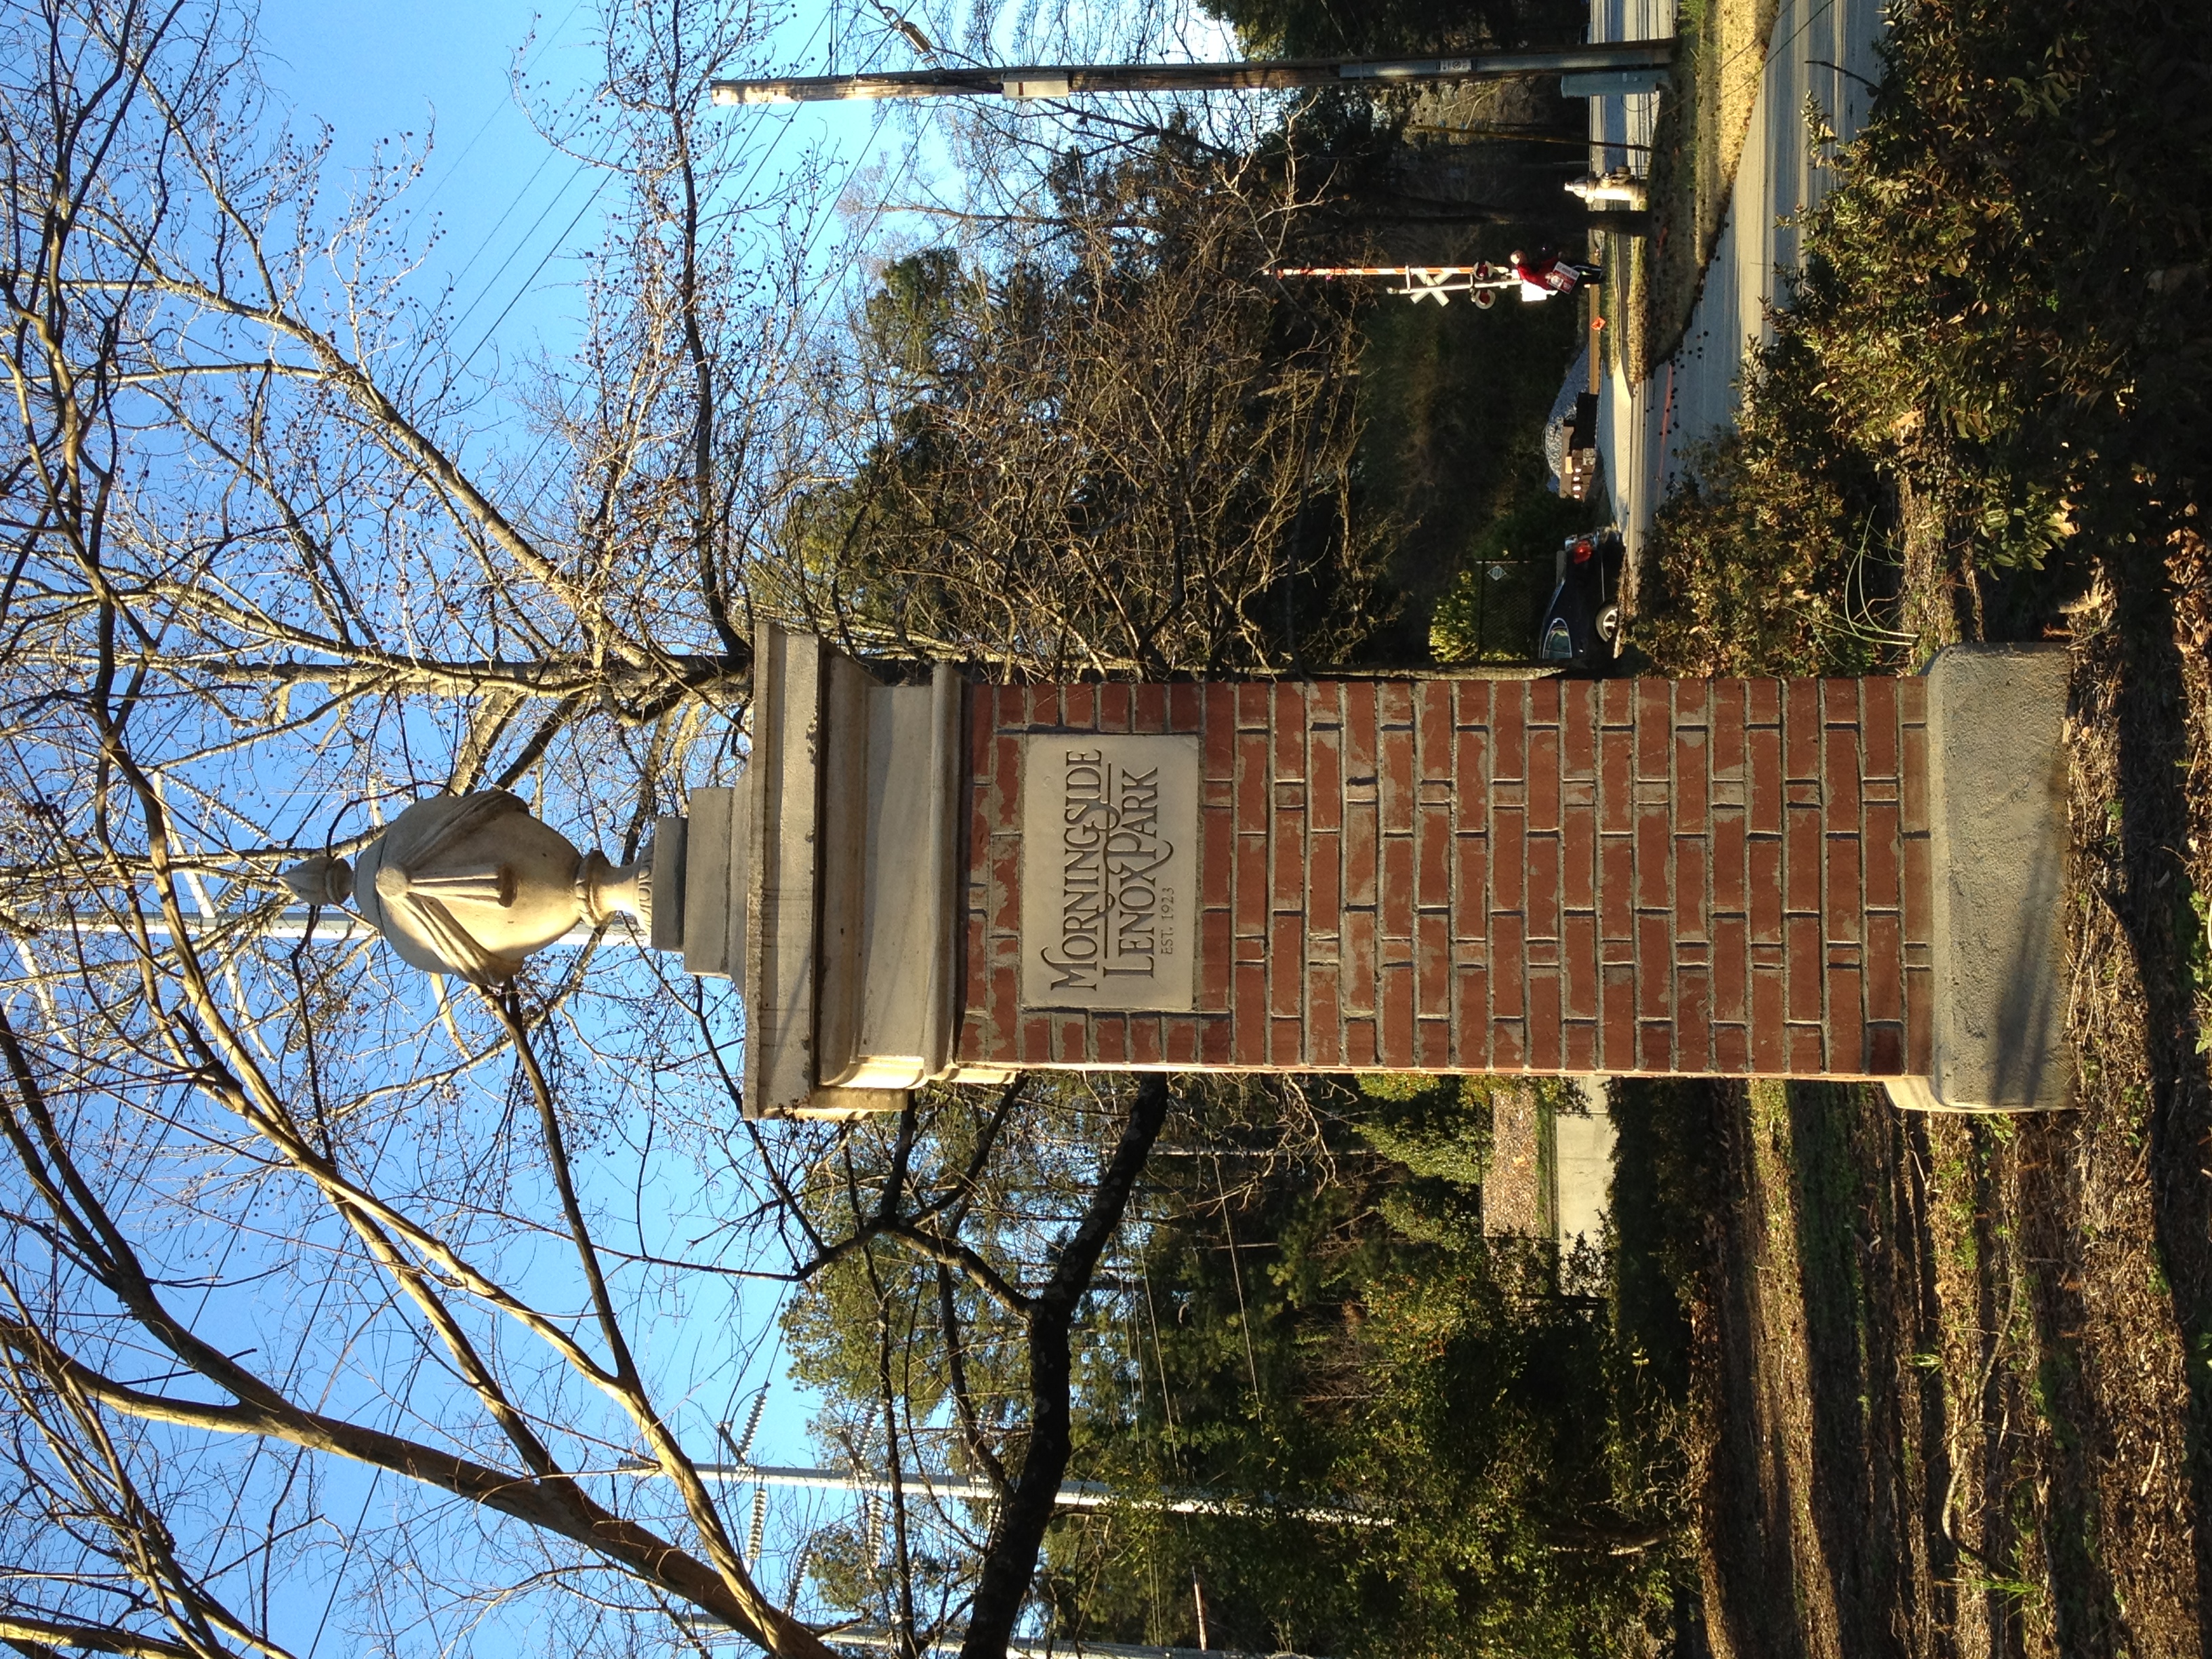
(1686, 876)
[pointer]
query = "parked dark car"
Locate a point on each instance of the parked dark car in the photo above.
(1582, 622)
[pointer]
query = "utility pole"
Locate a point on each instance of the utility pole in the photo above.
(332, 925)
(1063, 80)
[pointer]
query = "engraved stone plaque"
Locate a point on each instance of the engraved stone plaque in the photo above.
(1109, 871)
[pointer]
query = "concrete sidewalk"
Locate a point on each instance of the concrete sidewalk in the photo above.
(1820, 49)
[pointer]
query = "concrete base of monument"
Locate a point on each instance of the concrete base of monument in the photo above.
(1999, 840)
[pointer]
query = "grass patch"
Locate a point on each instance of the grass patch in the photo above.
(1669, 1181)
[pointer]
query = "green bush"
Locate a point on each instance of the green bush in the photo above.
(2001, 320)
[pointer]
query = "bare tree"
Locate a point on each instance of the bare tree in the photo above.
(260, 574)
(1089, 435)
(245, 475)
(948, 1255)
(314, 1275)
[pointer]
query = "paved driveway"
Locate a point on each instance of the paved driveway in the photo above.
(1819, 48)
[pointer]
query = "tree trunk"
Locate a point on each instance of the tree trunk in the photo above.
(1010, 1561)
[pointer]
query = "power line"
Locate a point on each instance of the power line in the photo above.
(602, 161)
(529, 281)
(560, 241)
(454, 166)
(537, 172)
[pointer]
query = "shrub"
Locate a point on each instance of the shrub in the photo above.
(2001, 320)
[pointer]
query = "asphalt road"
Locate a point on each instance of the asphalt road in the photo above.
(1820, 49)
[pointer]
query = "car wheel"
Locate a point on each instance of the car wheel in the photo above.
(1609, 623)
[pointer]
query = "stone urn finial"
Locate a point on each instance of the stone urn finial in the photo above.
(470, 884)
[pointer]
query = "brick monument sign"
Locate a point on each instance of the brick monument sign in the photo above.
(1852, 878)
(1693, 877)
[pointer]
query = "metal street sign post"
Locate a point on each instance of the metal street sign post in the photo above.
(1481, 282)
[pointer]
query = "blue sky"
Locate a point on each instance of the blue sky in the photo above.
(441, 67)
(508, 210)
(511, 214)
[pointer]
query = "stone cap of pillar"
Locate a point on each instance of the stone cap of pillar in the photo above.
(1998, 833)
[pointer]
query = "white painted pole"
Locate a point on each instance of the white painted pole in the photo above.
(334, 925)
(966, 1489)
(876, 1639)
